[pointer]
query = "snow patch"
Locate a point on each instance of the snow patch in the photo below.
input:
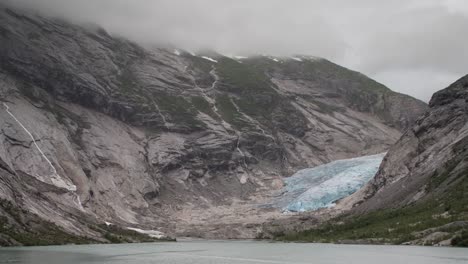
(274, 59)
(210, 59)
(239, 57)
(177, 52)
(306, 58)
(243, 179)
(151, 233)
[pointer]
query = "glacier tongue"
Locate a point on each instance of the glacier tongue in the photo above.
(319, 187)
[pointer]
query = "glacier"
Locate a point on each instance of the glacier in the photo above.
(319, 187)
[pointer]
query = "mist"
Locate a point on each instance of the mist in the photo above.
(415, 47)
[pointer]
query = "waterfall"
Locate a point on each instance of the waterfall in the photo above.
(55, 178)
(7, 108)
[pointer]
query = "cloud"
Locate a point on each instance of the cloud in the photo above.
(256, 26)
(430, 38)
(418, 83)
(396, 42)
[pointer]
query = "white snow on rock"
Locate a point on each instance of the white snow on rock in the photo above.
(210, 59)
(151, 233)
(307, 58)
(239, 57)
(177, 52)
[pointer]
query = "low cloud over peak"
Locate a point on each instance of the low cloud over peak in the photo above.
(413, 46)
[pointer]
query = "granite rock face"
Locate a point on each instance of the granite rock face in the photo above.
(96, 128)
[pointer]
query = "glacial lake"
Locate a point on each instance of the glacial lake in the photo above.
(233, 252)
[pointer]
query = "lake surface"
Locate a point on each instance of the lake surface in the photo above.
(233, 252)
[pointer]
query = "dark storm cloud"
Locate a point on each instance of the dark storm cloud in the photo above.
(414, 46)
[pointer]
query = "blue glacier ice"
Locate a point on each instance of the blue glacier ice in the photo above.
(319, 187)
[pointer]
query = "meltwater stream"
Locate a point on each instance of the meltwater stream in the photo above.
(319, 187)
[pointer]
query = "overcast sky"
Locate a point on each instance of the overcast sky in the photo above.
(413, 46)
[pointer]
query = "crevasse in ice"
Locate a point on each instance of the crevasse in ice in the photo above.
(321, 186)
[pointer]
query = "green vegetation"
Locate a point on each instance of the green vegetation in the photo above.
(333, 71)
(29, 230)
(319, 71)
(440, 177)
(176, 107)
(461, 240)
(229, 112)
(128, 82)
(179, 110)
(113, 239)
(203, 106)
(399, 225)
(257, 97)
(360, 92)
(242, 78)
(200, 63)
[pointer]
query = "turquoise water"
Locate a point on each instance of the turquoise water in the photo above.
(233, 252)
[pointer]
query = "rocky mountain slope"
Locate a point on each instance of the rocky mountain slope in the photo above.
(420, 193)
(429, 159)
(95, 128)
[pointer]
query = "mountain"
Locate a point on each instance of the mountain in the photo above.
(429, 159)
(99, 134)
(420, 193)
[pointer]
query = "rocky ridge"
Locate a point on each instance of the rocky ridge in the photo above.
(428, 160)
